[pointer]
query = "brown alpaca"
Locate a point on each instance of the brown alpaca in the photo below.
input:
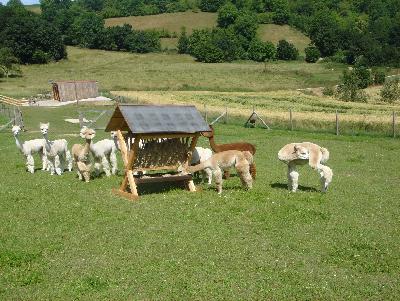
(227, 159)
(81, 154)
(240, 146)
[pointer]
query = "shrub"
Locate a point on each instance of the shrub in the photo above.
(143, 41)
(364, 75)
(211, 5)
(379, 77)
(260, 51)
(40, 57)
(286, 51)
(227, 15)
(265, 18)
(390, 91)
(183, 42)
(350, 90)
(328, 91)
(312, 54)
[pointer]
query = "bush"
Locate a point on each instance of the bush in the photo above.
(265, 18)
(227, 15)
(364, 75)
(40, 57)
(211, 5)
(312, 54)
(260, 51)
(143, 41)
(379, 77)
(350, 90)
(390, 91)
(183, 42)
(286, 51)
(328, 91)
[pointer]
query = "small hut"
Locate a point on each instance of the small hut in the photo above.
(74, 90)
(156, 143)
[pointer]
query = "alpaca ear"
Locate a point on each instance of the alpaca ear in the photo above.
(82, 135)
(296, 147)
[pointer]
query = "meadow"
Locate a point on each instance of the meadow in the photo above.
(65, 239)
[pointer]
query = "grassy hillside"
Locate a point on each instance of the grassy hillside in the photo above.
(161, 71)
(173, 22)
(64, 239)
(34, 8)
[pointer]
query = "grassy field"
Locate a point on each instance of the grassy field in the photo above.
(34, 8)
(173, 22)
(65, 239)
(161, 71)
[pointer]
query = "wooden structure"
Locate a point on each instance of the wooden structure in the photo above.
(161, 142)
(251, 121)
(9, 107)
(74, 90)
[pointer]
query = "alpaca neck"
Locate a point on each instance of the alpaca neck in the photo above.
(213, 145)
(48, 144)
(86, 148)
(115, 138)
(19, 143)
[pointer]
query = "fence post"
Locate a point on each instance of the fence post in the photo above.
(226, 114)
(291, 119)
(205, 113)
(394, 124)
(337, 123)
(80, 119)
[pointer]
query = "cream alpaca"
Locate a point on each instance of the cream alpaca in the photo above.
(57, 152)
(81, 154)
(30, 147)
(295, 154)
(225, 160)
(104, 153)
(200, 155)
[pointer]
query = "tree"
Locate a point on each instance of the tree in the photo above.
(324, 32)
(211, 5)
(87, 30)
(260, 51)
(286, 51)
(390, 91)
(183, 42)
(227, 15)
(350, 90)
(312, 54)
(7, 61)
(281, 11)
(245, 27)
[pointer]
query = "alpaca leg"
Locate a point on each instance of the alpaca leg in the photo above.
(114, 162)
(44, 161)
(106, 166)
(68, 159)
(86, 176)
(79, 175)
(97, 166)
(30, 163)
(243, 171)
(253, 170)
(293, 178)
(51, 162)
(227, 174)
(58, 164)
(208, 172)
(218, 180)
(326, 176)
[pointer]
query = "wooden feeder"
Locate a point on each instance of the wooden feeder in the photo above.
(155, 139)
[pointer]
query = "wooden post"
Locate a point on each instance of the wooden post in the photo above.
(205, 113)
(394, 125)
(226, 114)
(291, 119)
(337, 123)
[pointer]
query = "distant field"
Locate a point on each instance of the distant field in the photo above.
(34, 8)
(173, 22)
(161, 71)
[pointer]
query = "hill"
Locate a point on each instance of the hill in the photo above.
(34, 8)
(173, 22)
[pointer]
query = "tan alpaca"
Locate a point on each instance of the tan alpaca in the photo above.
(81, 154)
(294, 154)
(225, 160)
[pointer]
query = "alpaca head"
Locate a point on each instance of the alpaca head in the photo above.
(87, 133)
(208, 134)
(113, 134)
(44, 128)
(15, 130)
(301, 152)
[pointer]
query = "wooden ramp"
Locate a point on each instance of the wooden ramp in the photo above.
(12, 101)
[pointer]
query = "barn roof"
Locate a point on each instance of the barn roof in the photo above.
(145, 119)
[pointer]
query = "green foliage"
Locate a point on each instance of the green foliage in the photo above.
(328, 91)
(143, 41)
(227, 15)
(183, 42)
(265, 18)
(281, 11)
(7, 61)
(364, 75)
(390, 91)
(246, 27)
(87, 30)
(260, 51)
(379, 76)
(40, 57)
(312, 54)
(350, 90)
(117, 37)
(286, 51)
(211, 5)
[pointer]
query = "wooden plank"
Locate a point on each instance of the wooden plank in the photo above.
(165, 135)
(190, 183)
(126, 195)
(129, 172)
(157, 179)
(157, 168)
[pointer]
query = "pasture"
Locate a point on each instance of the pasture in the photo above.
(65, 239)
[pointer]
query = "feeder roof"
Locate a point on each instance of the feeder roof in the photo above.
(145, 119)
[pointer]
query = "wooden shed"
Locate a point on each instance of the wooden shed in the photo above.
(74, 90)
(156, 143)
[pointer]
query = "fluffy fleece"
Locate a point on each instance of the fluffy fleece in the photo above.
(200, 155)
(295, 154)
(81, 154)
(30, 147)
(228, 159)
(104, 154)
(57, 152)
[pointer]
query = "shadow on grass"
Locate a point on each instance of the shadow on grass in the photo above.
(285, 187)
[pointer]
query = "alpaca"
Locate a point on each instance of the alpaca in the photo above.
(81, 154)
(240, 146)
(200, 155)
(30, 147)
(294, 154)
(57, 152)
(104, 153)
(224, 160)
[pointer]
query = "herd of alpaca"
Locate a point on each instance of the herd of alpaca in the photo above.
(56, 158)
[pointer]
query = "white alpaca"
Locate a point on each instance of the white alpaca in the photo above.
(57, 152)
(295, 154)
(200, 155)
(30, 147)
(104, 153)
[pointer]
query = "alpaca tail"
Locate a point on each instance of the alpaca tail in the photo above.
(198, 167)
(248, 156)
(325, 155)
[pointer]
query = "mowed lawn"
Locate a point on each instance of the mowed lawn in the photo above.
(65, 239)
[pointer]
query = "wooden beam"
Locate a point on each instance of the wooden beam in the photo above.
(126, 195)
(157, 179)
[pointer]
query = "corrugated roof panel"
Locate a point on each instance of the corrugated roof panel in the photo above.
(143, 119)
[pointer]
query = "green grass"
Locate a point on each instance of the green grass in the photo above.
(34, 8)
(161, 71)
(65, 239)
